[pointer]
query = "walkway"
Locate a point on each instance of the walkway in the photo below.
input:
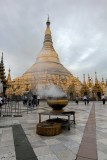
(69, 145)
(88, 146)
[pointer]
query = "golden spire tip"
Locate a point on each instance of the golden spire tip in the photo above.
(48, 21)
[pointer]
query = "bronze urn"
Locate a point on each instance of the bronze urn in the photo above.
(57, 103)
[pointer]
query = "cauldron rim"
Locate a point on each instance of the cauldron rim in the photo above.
(57, 103)
(55, 98)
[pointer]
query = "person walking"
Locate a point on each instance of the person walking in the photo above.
(76, 99)
(103, 98)
(38, 99)
(33, 101)
(85, 99)
(1, 102)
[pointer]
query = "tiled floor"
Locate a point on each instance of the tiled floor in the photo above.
(88, 147)
(64, 146)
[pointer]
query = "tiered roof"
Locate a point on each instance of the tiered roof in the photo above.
(2, 71)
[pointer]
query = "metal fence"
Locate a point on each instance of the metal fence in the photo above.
(15, 108)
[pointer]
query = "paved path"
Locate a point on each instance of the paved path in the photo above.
(65, 146)
(88, 146)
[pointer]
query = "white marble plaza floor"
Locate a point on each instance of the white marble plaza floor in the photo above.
(64, 146)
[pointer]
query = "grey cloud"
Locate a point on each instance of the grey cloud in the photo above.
(79, 31)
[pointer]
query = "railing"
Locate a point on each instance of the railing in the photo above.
(15, 109)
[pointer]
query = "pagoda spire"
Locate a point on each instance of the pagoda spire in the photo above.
(106, 82)
(48, 21)
(88, 82)
(9, 76)
(92, 81)
(84, 82)
(102, 82)
(96, 80)
(2, 70)
(48, 38)
(48, 52)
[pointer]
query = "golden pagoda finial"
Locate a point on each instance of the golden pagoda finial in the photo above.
(84, 76)
(9, 76)
(48, 38)
(84, 79)
(106, 82)
(9, 69)
(88, 82)
(48, 25)
(48, 21)
(103, 82)
(95, 76)
(88, 76)
(92, 81)
(96, 80)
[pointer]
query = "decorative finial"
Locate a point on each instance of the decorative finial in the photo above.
(102, 80)
(106, 82)
(48, 21)
(96, 75)
(96, 80)
(48, 18)
(9, 69)
(84, 77)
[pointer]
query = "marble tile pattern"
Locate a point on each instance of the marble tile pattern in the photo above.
(64, 146)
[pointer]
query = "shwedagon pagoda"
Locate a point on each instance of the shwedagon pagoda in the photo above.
(48, 72)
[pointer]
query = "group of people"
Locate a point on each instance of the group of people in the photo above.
(32, 101)
(86, 99)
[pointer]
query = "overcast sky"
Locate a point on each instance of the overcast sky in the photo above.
(79, 33)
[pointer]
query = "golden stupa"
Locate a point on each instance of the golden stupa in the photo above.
(47, 69)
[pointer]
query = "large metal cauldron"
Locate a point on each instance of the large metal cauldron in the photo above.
(57, 103)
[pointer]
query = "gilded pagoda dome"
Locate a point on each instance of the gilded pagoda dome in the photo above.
(47, 70)
(48, 60)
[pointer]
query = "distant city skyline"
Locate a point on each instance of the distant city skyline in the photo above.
(79, 34)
